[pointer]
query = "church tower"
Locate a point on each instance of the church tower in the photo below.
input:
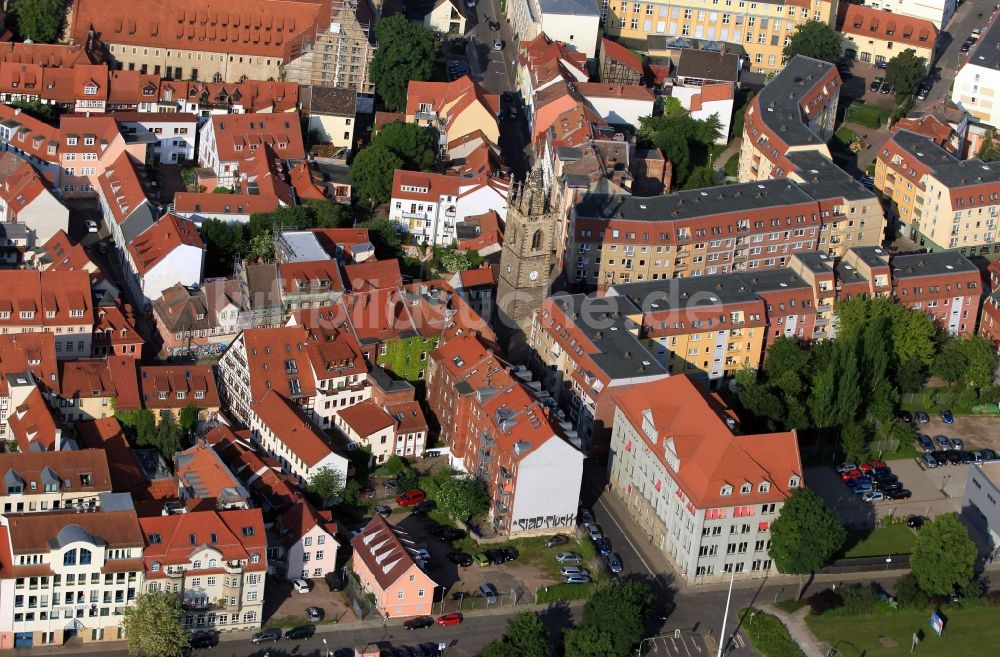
(528, 260)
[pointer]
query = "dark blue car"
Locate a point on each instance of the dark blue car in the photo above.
(947, 417)
(603, 545)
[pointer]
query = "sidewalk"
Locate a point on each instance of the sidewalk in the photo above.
(799, 631)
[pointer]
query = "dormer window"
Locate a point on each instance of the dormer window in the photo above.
(198, 394)
(745, 489)
(180, 394)
(726, 491)
(793, 482)
(163, 395)
(254, 558)
(764, 487)
(155, 566)
(90, 90)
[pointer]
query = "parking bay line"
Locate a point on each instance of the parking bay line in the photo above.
(627, 539)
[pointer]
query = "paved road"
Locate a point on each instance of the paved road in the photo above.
(495, 68)
(970, 15)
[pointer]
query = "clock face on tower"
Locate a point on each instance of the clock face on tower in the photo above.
(533, 276)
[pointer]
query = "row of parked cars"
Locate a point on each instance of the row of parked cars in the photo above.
(955, 456)
(873, 481)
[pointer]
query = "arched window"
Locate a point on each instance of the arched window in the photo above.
(536, 240)
(85, 557)
(69, 558)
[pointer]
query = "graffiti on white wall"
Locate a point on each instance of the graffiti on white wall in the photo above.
(545, 522)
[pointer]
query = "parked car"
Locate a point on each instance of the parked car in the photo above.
(497, 44)
(899, 494)
(925, 442)
(448, 620)
(300, 632)
(846, 467)
(915, 522)
(874, 464)
(334, 582)
(885, 481)
(420, 553)
(941, 456)
(847, 475)
(862, 489)
(876, 84)
(383, 510)
(553, 541)
(881, 64)
(495, 25)
(489, 592)
(569, 557)
(450, 534)
(314, 614)
(964, 456)
(301, 585)
(603, 545)
(566, 571)
(576, 579)
(885, 89)
(481, 559)
(614, 563)
(459, 558)
(988, 454)
(204, 640)
(929, 460)
(953, 457)
(594, 532)
(923, 91)
(967, 44)
(947, 417)
(586, 517)
(942, 441)
(391, 484)
(957, 443)
(267, 636)
(418, 623)
(872, 497)
(507, 554)
(400, 651)
(860, 481)
(411, 497)
(922, 417)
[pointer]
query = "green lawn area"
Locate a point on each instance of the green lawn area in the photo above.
(967, 633)
(932, 400)
(407, 358)
(890, 539)
(842, 140)
(533, 550)
(870, 116)
(732, 166)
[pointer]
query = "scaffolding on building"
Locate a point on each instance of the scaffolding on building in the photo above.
(340, 54)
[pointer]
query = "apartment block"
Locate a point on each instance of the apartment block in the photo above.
(72, 480)
(763, 29)
(706, 493)
(57, 302)
(498, 432)
(216, 561)
(876, 36)
(946, 286)
(977, 82)
(74, 573)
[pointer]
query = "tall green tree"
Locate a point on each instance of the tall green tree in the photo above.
(619, 609)
(989, 151)
(786, 355)
(371, 173)
(407, 51)
(462, 498)
(806, 534)
(588, 641)
(411, 143)
(188, 418)
(224, 240)
(681, 137)
(331, 214)
(822, 401)
(905, 71)
(848, 379)
(854, 442)
(525, 637)
(326, 483)
(944, 556)
(814, 39)
(384, 236)
(152, 625)
(168, 438)
(40, 20)
(701, 177)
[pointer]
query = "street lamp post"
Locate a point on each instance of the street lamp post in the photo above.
(725, 616)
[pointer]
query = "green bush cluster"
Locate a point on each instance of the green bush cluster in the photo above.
(768, 635)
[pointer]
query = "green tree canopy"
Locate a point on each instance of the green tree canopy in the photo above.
(371, 173)
(588, 641)
(524, 637)
(619, 609)
(701, 177)
(675, 134)
(224, 240)
(152, 625)
(326, 483)
(944, 556)
(967, 360)
(806, 534)
(406, 51)
(456, 261)
(40, 20)
(905, 71)
(814, 39)
(989, 151)
(384, 236)
(331, 214)
(411, 143)
(189, 417)
(462, 497)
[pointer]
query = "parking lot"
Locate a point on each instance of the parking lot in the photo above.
(977, 431)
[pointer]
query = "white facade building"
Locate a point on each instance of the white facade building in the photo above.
(938, 12)
(175, 133)
(977, 84)
(576, 22)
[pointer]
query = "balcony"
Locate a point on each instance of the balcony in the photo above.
(234, 568)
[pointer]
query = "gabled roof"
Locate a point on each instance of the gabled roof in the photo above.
(871, 23)
(373, 274)
(106, 435)
(33, 353)
(621, 54)
(21, 184)
(300, 519)
(65, 294)
(237, 535)
(63, 469)
(61, 254)
(33, 424)
(43, 532)
(290, 427)
(202, 473)
(449, 99)
(123, 185)
(155, 244)
(366, 418)
(31, 135)
(379, 547)
(238, 136)
(180, 384)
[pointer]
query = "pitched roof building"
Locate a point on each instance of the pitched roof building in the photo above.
(386, 568)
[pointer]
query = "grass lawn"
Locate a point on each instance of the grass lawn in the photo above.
(967, 633)
(870, 116)
(732, 166)
(932, 400)
(890, 539)
(533, 550)
(790, 606)
(842, 140)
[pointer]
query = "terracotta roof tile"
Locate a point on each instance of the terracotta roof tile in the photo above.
(379, 547)
(160, 240)
(237, 534)
(290, 427)
(194, 383)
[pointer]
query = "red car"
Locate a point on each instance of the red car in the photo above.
(411, 497)
(872, 465)
(450, 619)
(847, 475)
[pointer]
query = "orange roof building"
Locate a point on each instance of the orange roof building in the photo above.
(174, 387)
(876, 35)
(203, 475)
(307, 539)
(385, 564)
(170, 251)
(56, 301)
(25, 198)
(677, 451)
(228, 141)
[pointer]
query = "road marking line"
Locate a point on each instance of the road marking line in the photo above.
(627, 539)
(685, 644)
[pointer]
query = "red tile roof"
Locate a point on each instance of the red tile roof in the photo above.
(624, 91)
(408, 415)
(262, 28)
(379, 547)
(115, 325)
(102, 127)
(237, 534)
(283, 418)
(545, 60)
(451, 98)
(366, 418)
(483, 276)
(106, 434)
(207, 203)
(237, 136)
(711, 456)
(929, 126)
(31, 135)
(33, 424)
(43, 54)
(309, 276)
(870, 23)
(202, 472)
(301, 179)
(62, 466)
(188, 380)
(122, 187)
(87, 378)
(61, 254)
(373, 274)
(32, 533)
(300, 519)
(21, 184)
(268, 349)
(159, 240)
(29, 352)
(61, 293)
(621, 54)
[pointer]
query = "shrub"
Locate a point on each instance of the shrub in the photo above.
(768, 635)
(824, 601)
(909, 593)
(858, 599)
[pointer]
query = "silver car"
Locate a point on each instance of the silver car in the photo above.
(570, 571)
(569, 557)
(614, 563)
(577, 579)
(594, 532)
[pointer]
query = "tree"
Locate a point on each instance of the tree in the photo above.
(786, 355)
(821, 403)
(40, 20)
(989, 151)
(949, 363)
(587, 641)
(189, 417)
(805, 535)
(455, 261)
(944, 556)
(406, 51)
(371, 173)
(326, 483)
(222, 190)
(331, 214)
(848, 383)
(223, 240)
(261, 247)
(384, 237)
(814, 39)
(701, 177)
(411, 143)
(462, 498)
(905, 71)
(682, 138)
(619, 609)
(152, 625)
(168, 439)
(853, 442)
(525, 637)
(969, 360)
